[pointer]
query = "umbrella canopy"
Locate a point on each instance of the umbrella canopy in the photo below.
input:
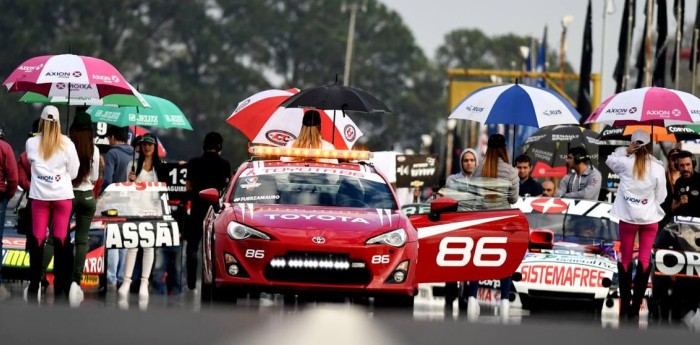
(38, 74)
(648, 105)
(336, 97)
(673, 133)
(549, 147)
(516, 104)
(262, 121)
(84, 94)
(162, 114)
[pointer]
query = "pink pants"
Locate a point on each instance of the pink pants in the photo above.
(647, 235)
(41, 212)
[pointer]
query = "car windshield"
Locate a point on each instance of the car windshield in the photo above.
(362, 190)
(478, 193)
(142, 204)
(568, 225)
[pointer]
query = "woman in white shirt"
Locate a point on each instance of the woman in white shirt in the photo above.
(54, 163)
(84, 204)
(640, 193)
(145, 171)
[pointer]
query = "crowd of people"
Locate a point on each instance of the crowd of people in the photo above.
(648, 197)
(64, 175)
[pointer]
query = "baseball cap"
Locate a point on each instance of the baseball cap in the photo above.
(641, 136)
(497, 141)
(50, 113)
(311, 118)
(148, 138)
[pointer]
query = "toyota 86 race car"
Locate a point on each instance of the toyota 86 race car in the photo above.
(305, 228)
(571, 255)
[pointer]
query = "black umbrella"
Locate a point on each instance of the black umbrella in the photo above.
(550, 145)
(336, 97)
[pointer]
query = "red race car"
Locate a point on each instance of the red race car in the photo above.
(308, 228)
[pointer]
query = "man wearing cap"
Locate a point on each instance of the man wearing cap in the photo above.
(8, 187)
(583, 182)
(686, 195)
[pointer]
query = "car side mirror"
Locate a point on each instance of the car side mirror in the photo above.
(440, 205)
(211, 195)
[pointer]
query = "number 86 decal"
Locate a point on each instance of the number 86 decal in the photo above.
(463, 254)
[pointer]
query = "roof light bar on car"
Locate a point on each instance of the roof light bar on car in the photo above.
(270, 151)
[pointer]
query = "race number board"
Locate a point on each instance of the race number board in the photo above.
(175, 177)
(411, 168)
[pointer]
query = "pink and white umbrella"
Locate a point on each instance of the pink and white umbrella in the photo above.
(648, 105)
(42, 73)
(261, 119)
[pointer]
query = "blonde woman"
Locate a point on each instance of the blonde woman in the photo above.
(310, 136)
(640, 193)
(54, 164)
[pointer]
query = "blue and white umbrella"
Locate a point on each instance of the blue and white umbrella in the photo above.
(516, 104)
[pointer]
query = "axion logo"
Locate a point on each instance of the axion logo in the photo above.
(103, 78)
(695, 111)
(60, 86)
(115, 79)
(676, 112)
(633, 110)
(635, 201)
(324, 217)
(242, 105)
(616, 111)
(77, 74)
(474, 108)
(350, 133)
(549, 205)
(279, 137)
(57, 74)
(658, 113)
(30, 68)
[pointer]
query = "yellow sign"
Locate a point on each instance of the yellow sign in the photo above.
(462, 88)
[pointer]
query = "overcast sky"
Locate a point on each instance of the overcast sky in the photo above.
(430, 20)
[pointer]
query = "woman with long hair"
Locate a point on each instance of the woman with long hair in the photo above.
(54, 164)
(310, 136)
(640, 193)
(84, 203)
(496, 167)
(145, 171)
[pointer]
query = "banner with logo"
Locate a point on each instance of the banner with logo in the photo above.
(412, 168)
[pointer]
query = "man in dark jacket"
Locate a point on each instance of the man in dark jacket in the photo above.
(528, 185)
(116, 161)
(206, 171)
(8, 187)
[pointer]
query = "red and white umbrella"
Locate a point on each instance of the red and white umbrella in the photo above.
(261, 119)
(42, 73)
(648, 105)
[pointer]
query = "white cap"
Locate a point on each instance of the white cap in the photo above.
(642, 136)
(50, 113)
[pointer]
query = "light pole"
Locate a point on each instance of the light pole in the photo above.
(451, 124)
(608, 10)
(426, 140)
(353, 7)
(565, 22)
(524, 52)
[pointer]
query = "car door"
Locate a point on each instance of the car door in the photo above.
(469, 246)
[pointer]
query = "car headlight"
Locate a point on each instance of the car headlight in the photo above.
(240, 232)
(395, 238)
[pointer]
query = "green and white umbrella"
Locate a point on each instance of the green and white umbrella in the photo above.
(77, 99)
(162, 114)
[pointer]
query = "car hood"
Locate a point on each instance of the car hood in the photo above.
(336, 223)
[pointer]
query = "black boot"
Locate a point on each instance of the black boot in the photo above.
(641, 280)
(36, 259)
(61, 268)
(624, 277)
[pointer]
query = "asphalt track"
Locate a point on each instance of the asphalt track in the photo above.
(183, 320)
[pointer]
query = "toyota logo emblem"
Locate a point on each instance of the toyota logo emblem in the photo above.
(318, 240)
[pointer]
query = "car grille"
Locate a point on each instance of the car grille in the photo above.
(320, 268)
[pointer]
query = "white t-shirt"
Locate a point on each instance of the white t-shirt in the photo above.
(143, 176)
(51, 179)
(89, 181)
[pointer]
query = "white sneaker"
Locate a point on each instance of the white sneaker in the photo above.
(123, 291)
(75, 295)
(38, 294)
(505, 308)
(4, 293)
(143, 289)
(473, 309)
